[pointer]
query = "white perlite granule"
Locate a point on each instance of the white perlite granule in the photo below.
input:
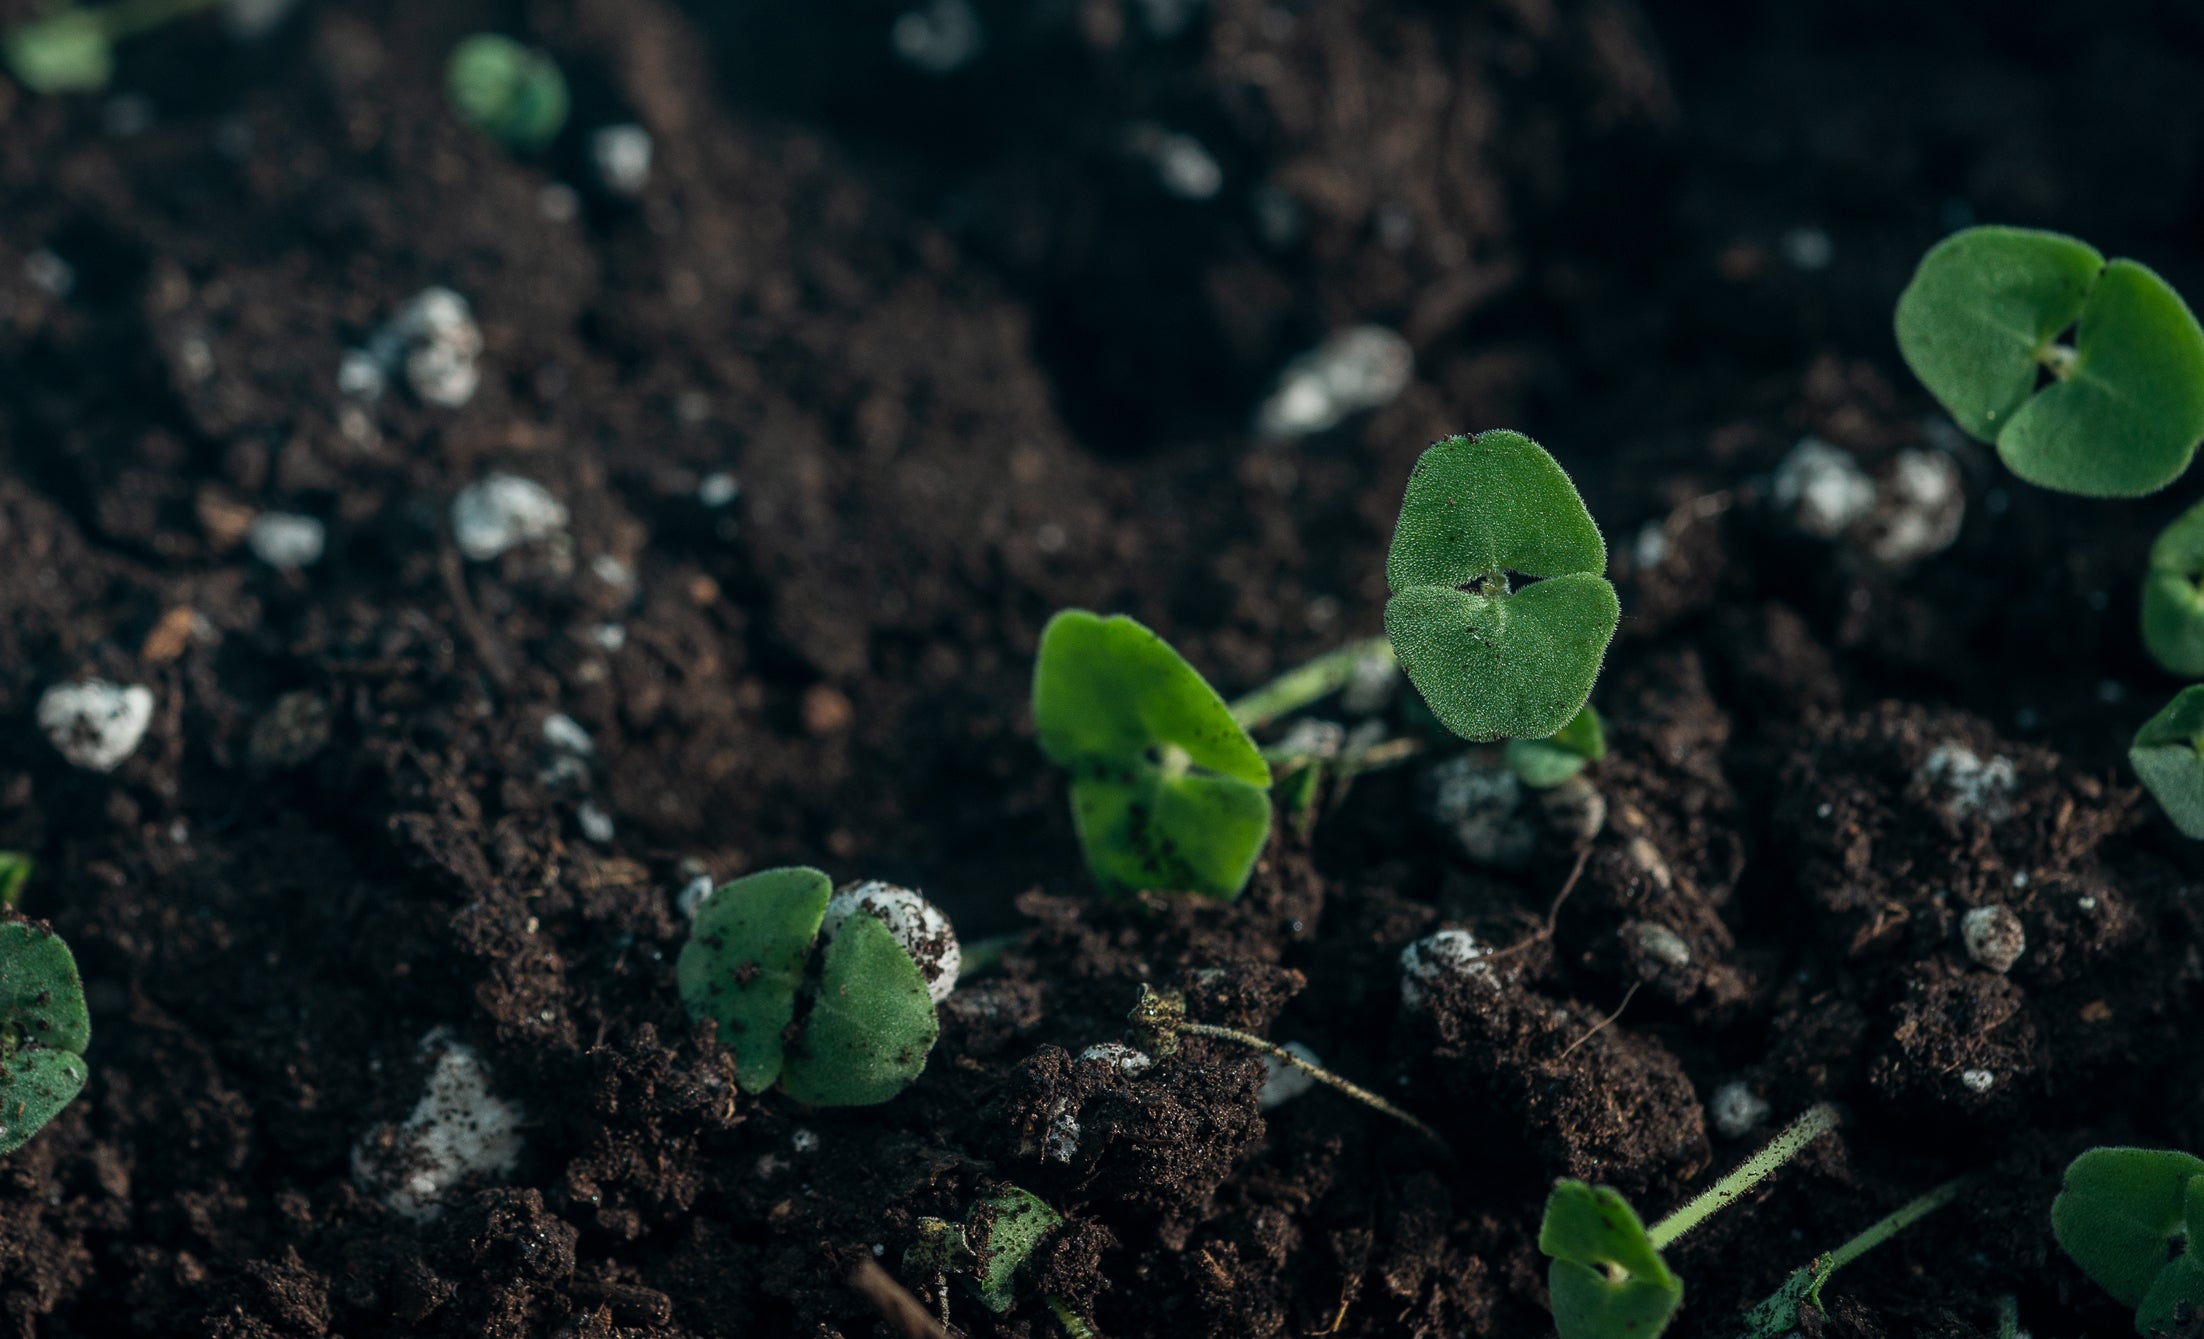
(1117, 1055)
(1736, 1109)
(1824, 489)
(433, 338)
(1973, 785)
(286, 541)
(1444, 953)
(1366, 367)
(96, 724)
(917, 924)
(1994, 936)
(621, 154)
(1482, 806)
(1286, 1082)
(458, 1130)
(1977, 1080)
(501, 512)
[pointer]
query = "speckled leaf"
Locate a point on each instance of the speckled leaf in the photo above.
(1777, 1314)
(1144, 830)
(1003, 1230)
(2179, 1288)
(745, 959)
(43, 1030)
(1606, 1280)
(2168, 754)
(1493, 665)
(2118, 1209)
(2173, 600)
(1981, 307)
(1545, 763)
(34, 1086)
(871, 1026)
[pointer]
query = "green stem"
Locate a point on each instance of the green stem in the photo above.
(1316, 680)
(2008, 1317)
(1898, 1221)
(132, 17)
(1319, 1073)
(1069, 1319)
(985, 955)
(1817, 1121)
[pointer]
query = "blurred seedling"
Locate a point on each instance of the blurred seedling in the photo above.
(43, 1030)
(2116, 412)
(992, 1251)
(2127, 1217)
(829, 995)
(1493, 657)
(1158, 1023)
(1607, 1279)
(2173, 596)
(15, 871)
(1167, 791)
(513, 93)
(1545, 763)
(71, 50)
(1781, 1313)
(2168, 754)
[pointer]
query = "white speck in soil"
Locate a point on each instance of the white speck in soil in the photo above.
(1285, 1082)
(502, 512)
(1365, 367)
(96, 724)
(939, 37)
(595, 823)
(1736, 1109)
(621, 154)
(1116, 1053)
(457, 1131)
(286, 541)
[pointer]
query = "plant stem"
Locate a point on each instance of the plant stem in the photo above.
(2008, 1317)
(983, 955)
(1069, 1319)
(1319, 1073)
(1817, 1121)
(132, 17)
(1898, 1221)
(1312, 682)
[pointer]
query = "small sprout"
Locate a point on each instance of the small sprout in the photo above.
(1781, 1313)
(1608, 1280)
(43, 1030)
(15, 871)
(65, 52)
(1545, 763)
(2116, 413)
(1168, 792)
(2125, 1215)
(2168, 754)
(514, 94)
(1492, 661)
(2173, 596)
(992, 1248)
(750, 961)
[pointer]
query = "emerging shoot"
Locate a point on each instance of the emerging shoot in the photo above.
(2126, 1215)
(43, 1030)
(2168, 754)
(757, 953)
(1494, 661)
(1780, 1314)
(514, 94)
(1545, 763)
(1167, 790)
(2116, 413)
(992, 1249)
(15, 871)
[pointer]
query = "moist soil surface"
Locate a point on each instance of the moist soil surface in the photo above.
(967, 360)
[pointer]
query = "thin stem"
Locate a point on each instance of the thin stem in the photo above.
(132, 17)
(1817, 1121)
(983, 955)
(1316, 680)
(1898, 1221)
(1319, 1073)
(1069, 1319)
(2008, 1317)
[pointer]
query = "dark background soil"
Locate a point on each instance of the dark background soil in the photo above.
(970, 365)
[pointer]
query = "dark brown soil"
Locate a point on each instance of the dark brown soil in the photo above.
(970, 365)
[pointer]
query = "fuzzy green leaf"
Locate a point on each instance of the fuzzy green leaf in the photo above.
(1003, 1231)
(1777, 1314)
(1491, 662)
(43, 1030)
(2168, 754)
(2173, 598)
(1545, 763)
(2118, 1211)
(1168, 791)
(1981, 307)
(64, 52)
(745, 960)
(1606, 1280)
(511, 92)
(871, 1027)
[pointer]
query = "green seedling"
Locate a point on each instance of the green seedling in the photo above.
(1545, 763)
(73, 50)
(2173, 596)
(43, 1030)
(1780, 1314)
(15, 871)
(2116, 413)
(2168, 754)
(2125, 1215)
(1158, 1022)
(1493, 661)
(1306, 685)
(992, 1250)
(513, 93)
(1607, 1279)
(1167, 790)
(754, 958)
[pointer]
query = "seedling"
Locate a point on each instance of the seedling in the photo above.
(73, 50)
(1167, 790)
(2116, 413)
(1779, 1314)
(15, 871)
(2173, 596)
(2168, 754)
(992, 1249)
(2125, 1215)
(1306, 685)
(1608, 1280)
(1158, 1021)
(513, 93)
(43, 1030)
(1491, 660)
(1545, 763)
(757, 955)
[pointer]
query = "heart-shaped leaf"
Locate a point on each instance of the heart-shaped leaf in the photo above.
(1168, 791)
(2125, 408)
(745, 960)
(871, 1027)
(2168, 754)
(1492, 661)
(1545, 763)
(1606, 1280)
(2173, 598)
(1003, 1231)
(43, 1030)
(2119, 1210)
